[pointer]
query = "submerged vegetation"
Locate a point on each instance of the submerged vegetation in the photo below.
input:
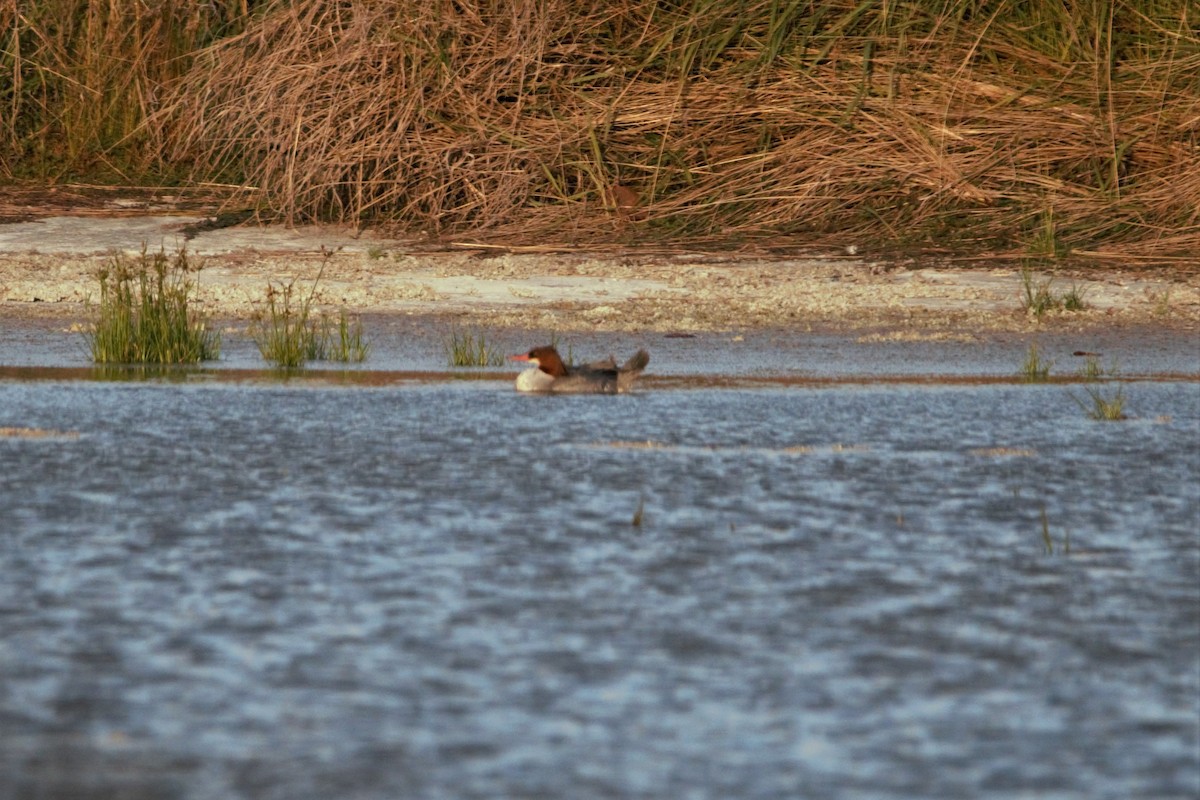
(145, 314)
(1035, 128)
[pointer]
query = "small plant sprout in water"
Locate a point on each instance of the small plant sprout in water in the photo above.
(1093, 371)
(1048, 541)
(1035, 369)
(145, 314)
(471, 349)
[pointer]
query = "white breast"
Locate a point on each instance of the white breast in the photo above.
(534, 380)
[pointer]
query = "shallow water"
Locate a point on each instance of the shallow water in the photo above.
(400, 343)
(299, 591)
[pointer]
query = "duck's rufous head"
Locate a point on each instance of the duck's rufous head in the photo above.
(544, 358)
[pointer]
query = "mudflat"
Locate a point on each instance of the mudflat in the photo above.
(49, 265)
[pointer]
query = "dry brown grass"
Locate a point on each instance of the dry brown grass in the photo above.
(78, 80)
(1015, 128)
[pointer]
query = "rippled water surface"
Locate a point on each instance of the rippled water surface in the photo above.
(295, 591)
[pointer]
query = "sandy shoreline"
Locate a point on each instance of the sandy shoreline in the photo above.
(48, 266)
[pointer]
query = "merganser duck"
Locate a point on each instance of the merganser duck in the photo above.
(548, 373)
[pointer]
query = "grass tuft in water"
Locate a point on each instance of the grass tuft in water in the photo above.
(471, 349)
(1103, 407)
(1047, 542)
(1035, 369)
(348, 346)
(145, 316)
(283, 332)
(1093, 371)
(288, 336)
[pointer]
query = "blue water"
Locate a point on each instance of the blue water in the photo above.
(295, 591)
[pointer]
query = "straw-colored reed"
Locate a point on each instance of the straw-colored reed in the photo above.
(78, 80)
(960, 124)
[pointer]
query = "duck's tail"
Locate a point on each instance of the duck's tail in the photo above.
(637, 362)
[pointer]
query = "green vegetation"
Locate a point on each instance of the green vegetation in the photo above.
(1045, 243)
(1103, 407)
(145, 316)
(1048, 541)
(348, 345)
(1035, 128)
(1093, 371)
(284, 334)
(1037, 297)
(1072, 299)
(79, 81)
(1099, 404)
(289, 336)
(1035, 369)
(471, 349)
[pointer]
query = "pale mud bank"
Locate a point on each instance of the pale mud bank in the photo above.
(48, 266)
